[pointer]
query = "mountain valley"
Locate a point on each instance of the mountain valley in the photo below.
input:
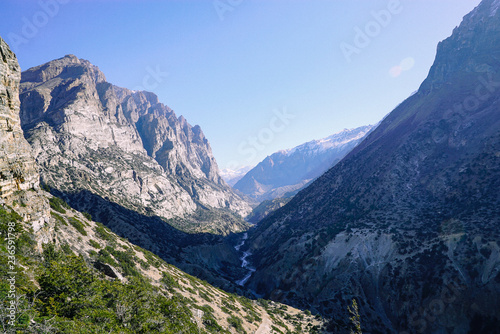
(66, 273)
(115, 217)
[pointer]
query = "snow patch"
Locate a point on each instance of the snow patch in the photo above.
(339, 139)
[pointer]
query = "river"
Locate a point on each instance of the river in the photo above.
(245, 264)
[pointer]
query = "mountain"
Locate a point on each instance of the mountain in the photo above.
(408, 222)
(233, 176)
(124, 146)
(290, 170)
(70, 274)
(265, 208)
(133, 165)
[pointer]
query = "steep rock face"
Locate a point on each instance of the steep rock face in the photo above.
(288, 171)
(19, 178)
(17, 166)
(407, 223)
(122, 145)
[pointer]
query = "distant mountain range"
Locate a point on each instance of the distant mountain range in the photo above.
(285, 172)
(233, 176)
(408, 222)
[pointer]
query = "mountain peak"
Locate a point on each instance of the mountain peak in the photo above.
(69, 58)
(471, 48)
(134, 148)
(67, 67)
(285, 172)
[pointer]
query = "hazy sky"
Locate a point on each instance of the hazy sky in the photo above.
(257, 76)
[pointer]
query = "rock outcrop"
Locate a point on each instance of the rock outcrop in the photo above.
(19, 178)
(407, 223)
(122, 145)
(17, 165)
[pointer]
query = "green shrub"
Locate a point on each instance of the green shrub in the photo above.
(105, 257)
(204, 296)
(209, 320)
(66, 249)
(58, 218)
(77, 301)
(101, 232)
(237, 323)
(87, 215)
(168, 281)
(58, 204)
(152, 259)
(94, 244)
(124, 260)
(78, 225)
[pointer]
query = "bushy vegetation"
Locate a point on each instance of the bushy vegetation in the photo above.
(59, 291)
(58, 204)
(58, 218)
(87, 215)
(94, 244)
(101, 232)
(237, 323)
(74, 298)
(77, 299)
(78, 225)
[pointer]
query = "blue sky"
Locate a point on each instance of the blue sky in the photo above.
(257, 76)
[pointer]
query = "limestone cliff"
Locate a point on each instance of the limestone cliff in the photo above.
(17, 166)
(124, 146)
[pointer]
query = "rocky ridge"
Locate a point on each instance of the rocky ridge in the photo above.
(285, 172)
(233, 176)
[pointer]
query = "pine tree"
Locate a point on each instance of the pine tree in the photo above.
(355, 318)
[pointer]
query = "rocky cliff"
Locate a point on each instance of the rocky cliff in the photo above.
(407, 223)
(123, 146)
(17, 166)
(285, 172)
(18, 170)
